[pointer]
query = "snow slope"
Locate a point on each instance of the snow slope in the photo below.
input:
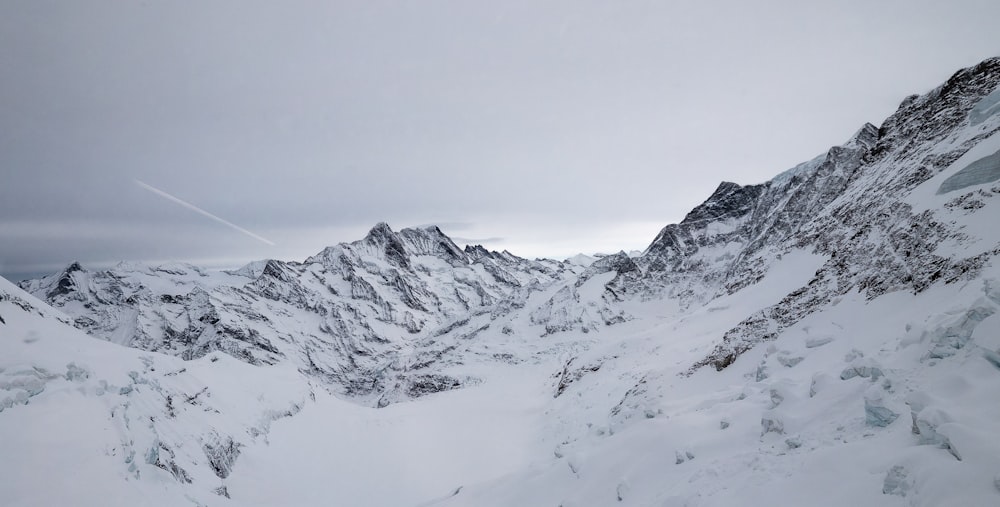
(85, 422)
(798, 422)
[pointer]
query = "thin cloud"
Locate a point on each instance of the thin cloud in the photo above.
(194, 208)
(451, 226)
(472, 241)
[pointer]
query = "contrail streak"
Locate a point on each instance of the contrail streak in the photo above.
(194, 208)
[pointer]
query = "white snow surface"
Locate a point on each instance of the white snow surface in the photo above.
(616, 432)
(85, 422)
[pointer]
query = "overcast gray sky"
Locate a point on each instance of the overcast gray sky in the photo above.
(542, 127)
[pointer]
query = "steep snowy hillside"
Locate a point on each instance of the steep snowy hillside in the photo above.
(886, 212)
(84, 422)
(848, 311)
(884, 402)
(828, 337)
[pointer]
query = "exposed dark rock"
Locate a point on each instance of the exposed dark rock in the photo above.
(382, 237)
(65, 285)
(570, 375)
(428, 384)
(221, 453)
(162, 456)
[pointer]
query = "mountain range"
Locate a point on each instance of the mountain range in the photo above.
(826, 337)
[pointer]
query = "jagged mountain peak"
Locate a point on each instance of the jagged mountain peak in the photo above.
(73, 266)
(432, 241)
(724, 244)
(865, 137)
(732, 200)
(275, 269)
(475, 252)
(252, 269)
(967, 81)
(729, 200)
(383, 241)
(923, 120)
(380, 229)
(620, 262)
(65, 282)
(397, 248)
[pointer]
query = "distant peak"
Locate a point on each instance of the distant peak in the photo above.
(729, 199)
(908, 101)
(619, 262)
(430, 240)
(866, 136)
(65, 284)
(274, 269)
(726, 187)
(476, 252)
(380, 229)
(382, 237)
(429, 231)
(476, 249)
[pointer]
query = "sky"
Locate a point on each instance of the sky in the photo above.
(219, 132)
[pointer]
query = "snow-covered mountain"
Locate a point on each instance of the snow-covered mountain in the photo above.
(370, 319)
(827, 337)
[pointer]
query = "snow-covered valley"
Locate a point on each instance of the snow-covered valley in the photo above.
(829, 337)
